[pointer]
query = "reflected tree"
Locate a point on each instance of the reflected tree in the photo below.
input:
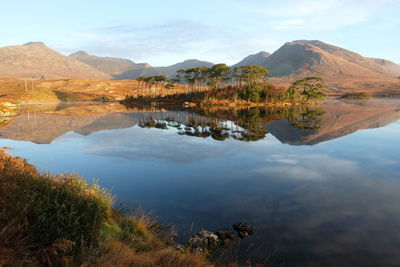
(305, 118)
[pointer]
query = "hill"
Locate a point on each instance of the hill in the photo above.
(343, 70)
(118, 68)
(317, 58)
(36, 59)
(124, 69)
(379, 65)
(107, 65)
(388, 66)
(148, 70)
(187, 64)
(255, 59)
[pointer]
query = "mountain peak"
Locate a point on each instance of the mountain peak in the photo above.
(263, 54)
(191, 61)
(37, 44)
(79, 53)
(313, 42)
(254, 59)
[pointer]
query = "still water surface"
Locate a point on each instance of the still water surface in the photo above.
(321, 195)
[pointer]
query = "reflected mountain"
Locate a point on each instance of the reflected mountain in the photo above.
(335, 119)
(294, 126)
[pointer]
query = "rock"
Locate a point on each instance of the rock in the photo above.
(228, 237)
(180, 248)
(243, 229)
(203, 240)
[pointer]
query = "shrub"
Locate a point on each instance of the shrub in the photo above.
(48, 209)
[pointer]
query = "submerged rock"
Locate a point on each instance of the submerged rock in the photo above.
(228, 237)
(210, 242)
(243, 229)
(203, 240)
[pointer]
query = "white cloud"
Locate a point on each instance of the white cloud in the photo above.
(175, 39)
(321, 15)
(288, 24)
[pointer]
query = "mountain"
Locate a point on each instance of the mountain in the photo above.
(36, 59)
(301, 58)
(187, 64)
(255, 59)
(378, 65)
(388, 66)
(107, 65)
(169, 70)
(142, 69)
(118, 68)
(123, 69)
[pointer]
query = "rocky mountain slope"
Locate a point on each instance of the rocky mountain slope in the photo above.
(255, 59)
(317, 58)
(38, 60)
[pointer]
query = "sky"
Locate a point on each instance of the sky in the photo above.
(164, 32)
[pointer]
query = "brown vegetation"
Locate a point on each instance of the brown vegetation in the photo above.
(63, 221)
(59, 90)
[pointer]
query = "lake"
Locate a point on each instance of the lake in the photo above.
(321, 185)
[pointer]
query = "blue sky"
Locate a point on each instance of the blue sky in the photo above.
(165, 32)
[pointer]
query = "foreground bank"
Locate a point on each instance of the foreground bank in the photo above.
(62, 220)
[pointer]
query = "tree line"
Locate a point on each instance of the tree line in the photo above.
(247, 82)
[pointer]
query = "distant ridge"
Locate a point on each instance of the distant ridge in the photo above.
(255, 59)
(187, 64)
(122, 69)
(36, 59)
(112, 66)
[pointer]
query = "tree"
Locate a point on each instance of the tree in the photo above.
(250, 78)
(307, 119)
(218, 74)
(306, 89)
(250, 74)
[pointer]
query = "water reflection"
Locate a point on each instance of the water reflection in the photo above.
(203, 127)
(334, 203)
(295, 126)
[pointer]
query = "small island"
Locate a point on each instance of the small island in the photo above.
(220, 85)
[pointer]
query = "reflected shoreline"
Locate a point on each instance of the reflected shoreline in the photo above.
(290, 125)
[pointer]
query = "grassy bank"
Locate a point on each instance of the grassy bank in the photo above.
(63, 221)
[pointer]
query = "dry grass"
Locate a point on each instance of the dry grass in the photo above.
(59, 90)
(118, 254)
(61, 220)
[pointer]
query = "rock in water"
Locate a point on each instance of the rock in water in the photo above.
(243, 229)
(228, 237)
(203, 240)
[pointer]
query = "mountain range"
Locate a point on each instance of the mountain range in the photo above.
(294, 59)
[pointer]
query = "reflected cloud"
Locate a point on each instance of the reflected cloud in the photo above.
(143, 144)
(308, 167)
